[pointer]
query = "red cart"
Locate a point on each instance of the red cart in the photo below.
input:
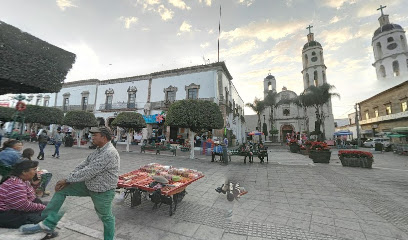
(141, 180)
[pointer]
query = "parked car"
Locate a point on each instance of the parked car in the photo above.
(371, 142)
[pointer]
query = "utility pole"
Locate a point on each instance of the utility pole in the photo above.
(357, 126)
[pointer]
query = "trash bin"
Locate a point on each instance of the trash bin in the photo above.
(378, 147)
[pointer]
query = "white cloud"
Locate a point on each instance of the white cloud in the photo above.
(264, 30)
(334, 19)
(246, 2)
(179, 4)
(165, 13)
(145, 29)
(205, 45)
(207, 2)
(185, 27)
(64, 4)
(369, 8)
(337, 3)
(334, 38)
(239, 49)
(128, 21)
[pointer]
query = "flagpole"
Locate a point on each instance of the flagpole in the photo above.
(219, 34)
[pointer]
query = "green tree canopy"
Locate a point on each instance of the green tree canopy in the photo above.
(129, 120)
(195, 114)
(6, 114)
(80, 119)
(43, 115)
(258, 106)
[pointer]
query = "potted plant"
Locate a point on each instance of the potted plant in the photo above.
(320, 152)
(294, 146)
(305, 148)
(355, 158)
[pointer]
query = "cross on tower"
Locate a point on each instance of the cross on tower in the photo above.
(309, 27)
(381, 9)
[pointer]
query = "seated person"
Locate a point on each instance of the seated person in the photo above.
(18, 204)
(11, 153)
(217, 151)
(261, 152)
(41, 179)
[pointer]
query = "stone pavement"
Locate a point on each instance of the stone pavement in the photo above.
(288, 198)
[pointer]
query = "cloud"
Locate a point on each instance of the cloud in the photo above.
(179, 4)
(207, 2)
(335, 37)
(185, 27)
(205, 45)
(369, 8)
(334, 19)
(64, 4)
(239, 49)
(165, 13)
(337, 3)
(128, 21)
(145, 29)
(264, 30)
(246, 2)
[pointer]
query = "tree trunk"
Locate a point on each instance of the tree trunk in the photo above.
(191, 144)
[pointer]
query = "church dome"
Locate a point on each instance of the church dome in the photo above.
(311, 44)
(270, 77)
(386, 28)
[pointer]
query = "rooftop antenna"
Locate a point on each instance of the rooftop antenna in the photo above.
(219, 33)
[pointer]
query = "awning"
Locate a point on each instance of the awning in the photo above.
(396, 135)
(29, 64)
(343, 133)
(400, 129)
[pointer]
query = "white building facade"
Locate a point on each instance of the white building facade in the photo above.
(151, 95)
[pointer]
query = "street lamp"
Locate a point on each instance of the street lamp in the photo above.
(20, 107)
(262, 127)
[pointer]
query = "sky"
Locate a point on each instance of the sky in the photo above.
(123, 38)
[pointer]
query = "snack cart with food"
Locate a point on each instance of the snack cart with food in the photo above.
(163, 184)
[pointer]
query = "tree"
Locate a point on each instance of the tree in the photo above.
(43, 115)
(196, 115)
(79, 120)
(6, 114)
(317, 97)
(130, 121)
(270, 101)
(258, 106)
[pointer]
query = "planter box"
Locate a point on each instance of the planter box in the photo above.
(294, 148)
(356, 162)
(320, 156)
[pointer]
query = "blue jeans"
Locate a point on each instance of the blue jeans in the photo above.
(57, 146)
(42, 146)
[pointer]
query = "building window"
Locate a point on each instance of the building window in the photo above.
(395, 68)
(376, 112)
(307, 80)
(131, 100)
(379, 49)
(286, 112)
(390, 39)
(46, 102)
(306, 61)
(367, 116)
(38, 102)
(403, 106)
(388, 110)
(192, 91)
(170, 93)
(382, 71)
(109, 98)
(65, 104)
(315, 78)
(84, 103)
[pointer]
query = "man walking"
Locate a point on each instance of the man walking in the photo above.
(95, 177)
(58, 142)
(42, 143)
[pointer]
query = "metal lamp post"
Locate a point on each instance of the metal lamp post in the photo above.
(262, 128)
(19, 112)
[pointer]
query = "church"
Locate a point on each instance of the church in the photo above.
(288, 118)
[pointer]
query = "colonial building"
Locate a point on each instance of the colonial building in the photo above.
(151, 95)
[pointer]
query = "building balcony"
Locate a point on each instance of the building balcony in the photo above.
(394, 116)
(89, 108)
(117, 106)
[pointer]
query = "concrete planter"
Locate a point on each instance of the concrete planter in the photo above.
(320, 156)
(294, 148)
(304, 151)
(356, 162)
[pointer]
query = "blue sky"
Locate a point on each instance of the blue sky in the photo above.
(121, 38)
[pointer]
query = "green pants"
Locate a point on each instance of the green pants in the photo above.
(102, 203)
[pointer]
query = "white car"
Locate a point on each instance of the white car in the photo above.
(371, 142)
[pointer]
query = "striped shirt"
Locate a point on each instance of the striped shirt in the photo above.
(100, 170)
(18, 195)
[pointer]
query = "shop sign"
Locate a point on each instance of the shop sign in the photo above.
(150, 118)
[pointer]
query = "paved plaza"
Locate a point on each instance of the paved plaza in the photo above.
(289, 198)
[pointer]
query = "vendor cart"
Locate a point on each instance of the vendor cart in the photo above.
(152, 178)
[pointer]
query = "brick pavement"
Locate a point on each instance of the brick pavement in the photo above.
(289, 198)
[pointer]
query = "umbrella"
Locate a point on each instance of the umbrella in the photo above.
(255, 133)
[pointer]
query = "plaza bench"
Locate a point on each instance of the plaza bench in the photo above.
(168, 147)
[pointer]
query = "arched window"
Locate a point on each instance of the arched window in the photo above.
(379, 49)
(306, 60)
(315, 78)
(382, 71)
(269, 86)
(395, 68)
(307, 80)
(390, 39)
(324, 76)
